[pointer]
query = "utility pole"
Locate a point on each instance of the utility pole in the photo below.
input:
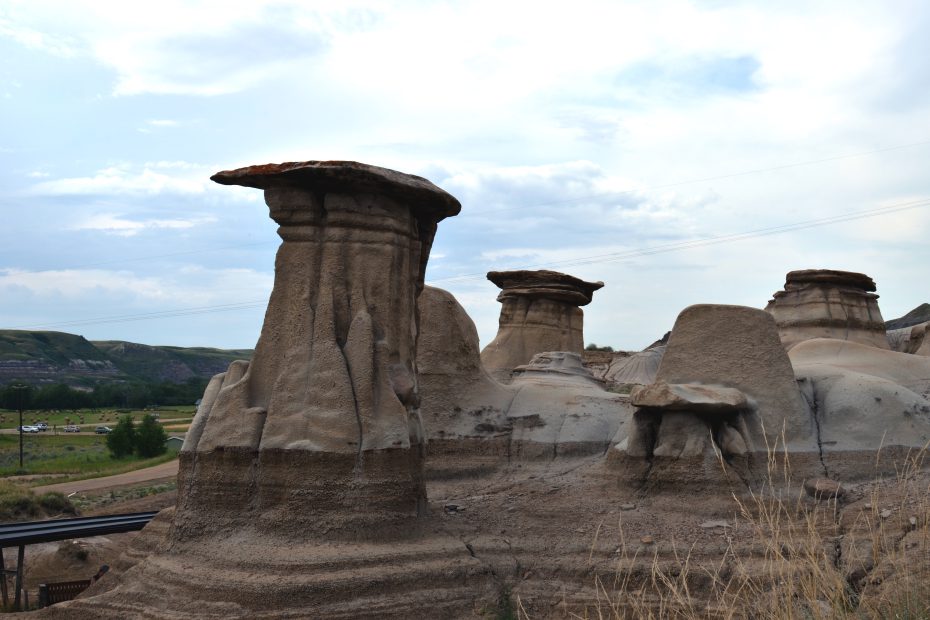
(20, 388)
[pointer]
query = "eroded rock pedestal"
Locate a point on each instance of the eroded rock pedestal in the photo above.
(540, 311)
(823, 303)
(317, 442)
(324, 419)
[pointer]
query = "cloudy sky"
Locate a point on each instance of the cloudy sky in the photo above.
(681, 152)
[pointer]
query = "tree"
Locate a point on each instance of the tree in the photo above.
(122, 440)
(150, 437)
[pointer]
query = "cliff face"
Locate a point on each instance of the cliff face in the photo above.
(57, 357)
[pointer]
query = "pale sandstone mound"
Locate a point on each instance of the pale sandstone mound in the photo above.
(734, 351)
(458, 399)
(560, 408)
(640, 368)
(539, 312)
(823, 303)
(864, 399)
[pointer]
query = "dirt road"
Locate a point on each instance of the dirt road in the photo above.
(158, 472)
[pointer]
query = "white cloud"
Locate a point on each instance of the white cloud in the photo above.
(117, 225)
(123, 179)
(198, 286)
(64, 47)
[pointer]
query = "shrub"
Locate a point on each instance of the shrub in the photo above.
(54, 502)
(122, 440)
(150, 437)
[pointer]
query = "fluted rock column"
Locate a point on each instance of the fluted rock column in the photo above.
(323, 426)
(824, 303)
(539, 312)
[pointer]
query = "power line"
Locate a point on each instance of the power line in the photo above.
(695, 243)
(152, 257)
(152, 315)
(718, 177)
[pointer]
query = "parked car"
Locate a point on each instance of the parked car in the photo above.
(71, 428)
(103, 430)
(42, 426)
(29, 429)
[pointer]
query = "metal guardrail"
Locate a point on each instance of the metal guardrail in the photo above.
(32, 532)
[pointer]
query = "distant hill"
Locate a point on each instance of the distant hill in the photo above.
(920, 314)
(51, 357)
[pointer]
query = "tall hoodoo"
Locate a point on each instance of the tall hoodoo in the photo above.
(333, 383)
(540, 312)
(823, 303)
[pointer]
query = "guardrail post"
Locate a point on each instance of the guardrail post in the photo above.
(20, 560)
(6, 597)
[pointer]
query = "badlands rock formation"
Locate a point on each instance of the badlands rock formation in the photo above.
(823, 303)
(540, 311)
(459, 401)
(727, 386)
(640, 368)
(864, 399)
(318, 439)
(553, 406)
(911, 339)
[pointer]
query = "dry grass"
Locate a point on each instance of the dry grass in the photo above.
(789, 557)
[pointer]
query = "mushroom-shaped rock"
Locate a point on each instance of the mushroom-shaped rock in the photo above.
(540, 311)
(823, 303)
(333, 382)
(725, 347)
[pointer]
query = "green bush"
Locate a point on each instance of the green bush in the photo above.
(122, 440)
(150, 438)
(55, 502)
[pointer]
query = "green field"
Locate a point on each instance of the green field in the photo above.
(90, 418)
(79, 456)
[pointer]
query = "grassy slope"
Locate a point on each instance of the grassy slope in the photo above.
(135, 360)
(148, 361)
(56, 347)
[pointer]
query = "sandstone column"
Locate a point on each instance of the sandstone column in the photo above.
(324, 419)
(540, 312)
(823, 303)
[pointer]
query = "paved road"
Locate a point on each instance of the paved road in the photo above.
(165, 470)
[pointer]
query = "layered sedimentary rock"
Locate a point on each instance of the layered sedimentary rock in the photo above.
(823, 303)
(318, 440)
(736, 352)
(540, 311)
(332, 384)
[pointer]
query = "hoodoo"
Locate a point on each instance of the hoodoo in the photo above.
(317, 441)
(823, 303)
(540, 311)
